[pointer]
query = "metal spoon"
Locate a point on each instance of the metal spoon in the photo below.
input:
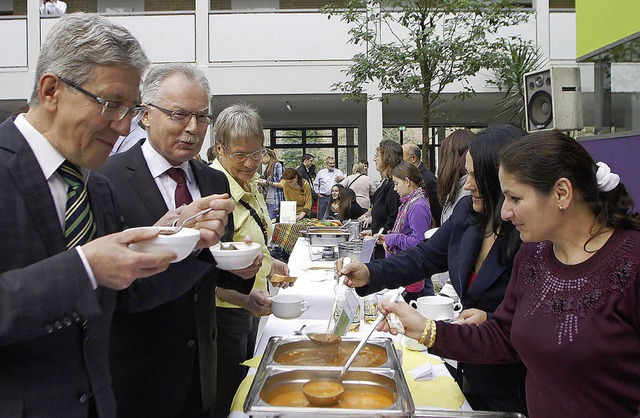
(332, 389)
(170, 230)
(299, 331)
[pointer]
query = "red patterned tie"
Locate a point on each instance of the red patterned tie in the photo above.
(182, 197)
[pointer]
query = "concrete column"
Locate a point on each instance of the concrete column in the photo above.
(33, 40)
(202, 33)
(543, 27)
(374, 134)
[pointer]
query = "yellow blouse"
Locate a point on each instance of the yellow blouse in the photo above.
(244, 225)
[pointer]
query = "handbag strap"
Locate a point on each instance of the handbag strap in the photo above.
(259, 220)
(354, 180)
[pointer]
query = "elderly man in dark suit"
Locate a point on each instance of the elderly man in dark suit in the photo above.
(164, 360)
(57, 280)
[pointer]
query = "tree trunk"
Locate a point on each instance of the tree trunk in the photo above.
(425, 129)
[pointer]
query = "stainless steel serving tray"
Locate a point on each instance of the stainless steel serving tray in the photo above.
(424, 413)
(392, 360)
(386, 377)
(327, 236)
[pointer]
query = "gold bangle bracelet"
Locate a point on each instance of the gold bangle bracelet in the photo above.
(432, 337)
(425, 333)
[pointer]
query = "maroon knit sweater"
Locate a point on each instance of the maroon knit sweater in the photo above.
(576, 328)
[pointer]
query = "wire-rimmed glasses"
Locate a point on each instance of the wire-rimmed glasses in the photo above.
(241, 157)
(116, 111)
(184, 116)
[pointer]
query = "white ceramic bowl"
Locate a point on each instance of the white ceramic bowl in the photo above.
(235, 259)
(181, 243)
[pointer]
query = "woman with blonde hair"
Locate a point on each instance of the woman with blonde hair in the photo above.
(272, 174)
(360, 183)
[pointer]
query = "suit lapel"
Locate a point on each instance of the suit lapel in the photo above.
(488, 274)
(144, 184)
(30, 181)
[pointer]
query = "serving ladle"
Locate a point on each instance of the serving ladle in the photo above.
(325, 392)
(174, 229)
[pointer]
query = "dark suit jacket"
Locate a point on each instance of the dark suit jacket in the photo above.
(454, 247)
(431, 184)
(53, 325)
(153, 353)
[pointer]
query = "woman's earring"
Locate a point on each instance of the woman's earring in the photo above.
(561, 207)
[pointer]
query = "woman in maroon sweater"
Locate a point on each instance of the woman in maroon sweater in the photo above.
(571, 312)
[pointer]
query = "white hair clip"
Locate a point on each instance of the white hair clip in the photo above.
(607, 180)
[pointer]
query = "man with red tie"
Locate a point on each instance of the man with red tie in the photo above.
(163, 360)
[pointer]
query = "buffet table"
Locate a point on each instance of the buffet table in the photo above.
(316, 284)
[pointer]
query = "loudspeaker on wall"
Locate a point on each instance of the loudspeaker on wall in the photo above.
(553, 99)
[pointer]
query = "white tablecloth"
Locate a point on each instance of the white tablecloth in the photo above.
(317, 288)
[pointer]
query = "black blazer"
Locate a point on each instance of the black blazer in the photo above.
(54, 326)
(431, 184)
(454, 247)
(384, 207)
(154, 346)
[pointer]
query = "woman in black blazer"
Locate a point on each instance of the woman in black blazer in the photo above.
(385, 201)
(477, 248)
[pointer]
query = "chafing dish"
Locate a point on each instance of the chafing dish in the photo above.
(372, 391)
(327, 236)
(424, 413)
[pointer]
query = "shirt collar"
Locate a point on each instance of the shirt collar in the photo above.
(47, 156)
(158, 165)
(237, 192)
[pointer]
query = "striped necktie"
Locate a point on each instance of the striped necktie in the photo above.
(79, 227)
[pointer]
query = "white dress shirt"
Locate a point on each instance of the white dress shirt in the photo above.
(50, 160)
(158, 166)
(325, 180)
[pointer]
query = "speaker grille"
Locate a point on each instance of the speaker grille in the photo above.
(540, 109)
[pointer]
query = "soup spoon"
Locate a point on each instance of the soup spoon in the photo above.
(327, 391)
(170, 230)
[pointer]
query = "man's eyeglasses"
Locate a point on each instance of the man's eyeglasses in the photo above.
(116, 111)
(241, 157)
(183, 116)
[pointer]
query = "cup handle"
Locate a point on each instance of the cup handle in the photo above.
(413, 304)
(304, 305)
(457, 308)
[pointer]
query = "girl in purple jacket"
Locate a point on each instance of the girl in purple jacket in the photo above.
(413, 220)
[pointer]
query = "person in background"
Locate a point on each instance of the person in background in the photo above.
(238, 135)
(180, 353)
(323, 183)
(298, 190)
(413, 220)
(61, 255)
(361, 185)
(211, 154)
(451, 173)
(574, 290)
(477, 249)
(343, 204)
(53, 7)
(125, 142)
(385, 201)
(452, 177)
(272, 174)
(413, 154)
(365, 162)
(307, 171)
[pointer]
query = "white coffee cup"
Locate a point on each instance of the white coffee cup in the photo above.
(288, 306)
(438, 308)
